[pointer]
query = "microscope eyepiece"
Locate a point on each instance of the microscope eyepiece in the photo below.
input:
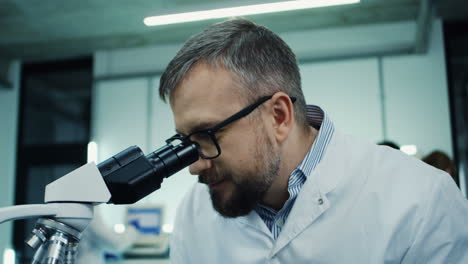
(130, 175)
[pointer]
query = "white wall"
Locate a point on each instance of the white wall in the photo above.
(349, 90)
(414, 100)
(417, 103)
(8, 134)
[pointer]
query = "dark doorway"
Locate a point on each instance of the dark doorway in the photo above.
(456, 43)
(55, 107)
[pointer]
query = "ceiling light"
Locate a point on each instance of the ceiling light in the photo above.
(242, 11)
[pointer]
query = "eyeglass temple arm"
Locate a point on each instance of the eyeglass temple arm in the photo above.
(242, 113)
(246, 111)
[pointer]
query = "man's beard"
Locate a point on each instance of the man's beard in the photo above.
(247, 189)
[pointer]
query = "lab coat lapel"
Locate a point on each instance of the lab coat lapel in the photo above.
(312, 201)
(309, 205)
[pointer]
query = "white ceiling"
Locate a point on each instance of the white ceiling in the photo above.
(46, 29)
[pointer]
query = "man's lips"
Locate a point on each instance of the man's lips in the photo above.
(215, 184)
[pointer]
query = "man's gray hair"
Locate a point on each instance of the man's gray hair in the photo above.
(258, 58)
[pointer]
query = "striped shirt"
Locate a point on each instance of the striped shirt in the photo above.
(318, 119)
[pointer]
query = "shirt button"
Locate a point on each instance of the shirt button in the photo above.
(320, 201)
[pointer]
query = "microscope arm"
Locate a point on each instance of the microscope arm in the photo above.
(27, 211)
(76, 215)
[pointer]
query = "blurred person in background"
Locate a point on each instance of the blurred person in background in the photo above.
(443, 162)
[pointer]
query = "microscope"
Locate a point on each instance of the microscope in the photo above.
(69, 201)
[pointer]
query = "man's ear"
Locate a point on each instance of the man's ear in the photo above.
(282, 111)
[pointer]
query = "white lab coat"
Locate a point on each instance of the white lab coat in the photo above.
(362, 204)
(99, 238)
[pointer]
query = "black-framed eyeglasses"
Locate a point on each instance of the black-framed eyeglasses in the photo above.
(208, 146)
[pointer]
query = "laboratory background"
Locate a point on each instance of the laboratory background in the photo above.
(79, 82)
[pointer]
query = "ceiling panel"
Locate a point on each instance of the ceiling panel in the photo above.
(35, 29)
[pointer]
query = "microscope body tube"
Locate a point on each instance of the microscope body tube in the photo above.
(130, 175)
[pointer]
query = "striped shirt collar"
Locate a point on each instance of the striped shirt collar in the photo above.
(318, 119)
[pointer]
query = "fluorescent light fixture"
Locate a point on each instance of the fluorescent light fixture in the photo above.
(409, 149)
(242, 11)
(119, 228)
(9, 256)
(92, 152)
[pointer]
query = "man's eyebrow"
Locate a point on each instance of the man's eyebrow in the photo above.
(199, 126)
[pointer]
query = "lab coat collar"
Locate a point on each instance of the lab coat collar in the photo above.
(312, 200)
(312, 196)
(326, 177)
(309, 205)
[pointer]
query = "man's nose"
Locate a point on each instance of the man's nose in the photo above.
(200, 165)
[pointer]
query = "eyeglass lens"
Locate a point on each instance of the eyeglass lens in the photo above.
(206, 144)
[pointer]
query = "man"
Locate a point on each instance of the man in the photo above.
(278, 183)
